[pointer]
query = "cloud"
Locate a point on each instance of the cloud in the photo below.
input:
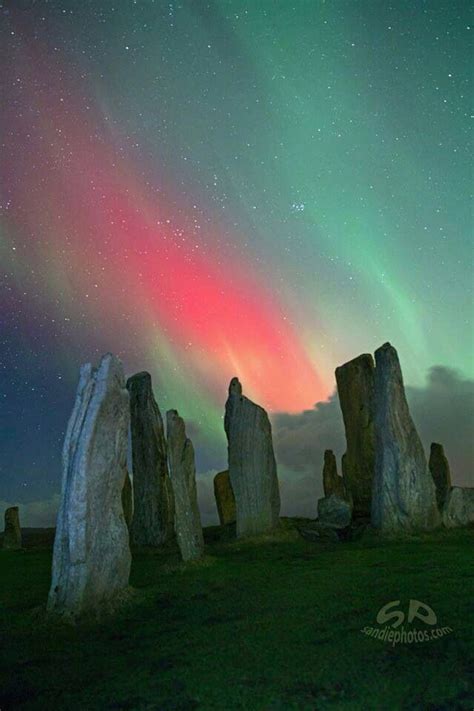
(443, 411)
(300, 440)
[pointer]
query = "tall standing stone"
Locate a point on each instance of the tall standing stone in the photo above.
(404, 496)
(332, 482)
(225, 499)
(91, 558)
(355, 387)
(153, 515)
(12, 533)
(127, 500)
(439, 468)
(183, 479)
(252, 466)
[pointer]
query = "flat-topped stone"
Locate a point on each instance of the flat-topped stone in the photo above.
(252, 466)
(355, 387)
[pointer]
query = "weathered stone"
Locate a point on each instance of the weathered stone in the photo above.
(252, 466)
(439, 468)
(225, 499)
(334, 511)
(183, 480)
(153, 516)
(404, 495)
(332, 482)
(459, 507)
(12, 533)
(319, 533)
(91, 558)
(355, 387)
(127, 500)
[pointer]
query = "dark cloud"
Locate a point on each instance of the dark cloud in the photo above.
(300, 440)
(443, 411)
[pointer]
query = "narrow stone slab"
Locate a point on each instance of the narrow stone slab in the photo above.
(127, 500)
(183, 480)
(439, 468)
(355, 387)
(153, 516)
(252, 466)
(225, 499)
(459, 507)
(404, 497)
(91, 558)
(12, 533)
(332, 482)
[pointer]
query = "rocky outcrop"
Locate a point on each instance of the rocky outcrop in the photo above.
(332, 482)
(459, 507)
(183, 480)
(12, 533)
(355, 387)
(439, 468)
(127, 500)
(334, 511)
(252, 466)
(225, 500)
(91, 558)
(404, 495)
(153, 516)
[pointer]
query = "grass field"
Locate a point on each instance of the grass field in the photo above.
(269, 625)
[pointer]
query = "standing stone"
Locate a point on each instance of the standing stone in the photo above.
(183, 479)
(91, 558)
(127, 500)
(12, 534)
(355, 387)
(225, 499)
(332, 482)
(153, 516)
(439, 468)
(459, 507)
(252, 466)
(404, 496)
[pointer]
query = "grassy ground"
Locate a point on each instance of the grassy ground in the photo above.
(270, 625)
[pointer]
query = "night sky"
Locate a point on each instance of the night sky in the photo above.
(207, 189)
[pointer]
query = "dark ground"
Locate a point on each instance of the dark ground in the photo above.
(269, 625)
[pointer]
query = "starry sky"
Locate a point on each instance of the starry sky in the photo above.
(208, 189)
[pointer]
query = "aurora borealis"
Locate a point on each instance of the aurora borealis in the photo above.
(208, 189)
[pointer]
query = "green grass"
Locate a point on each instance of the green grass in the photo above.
(267, 625)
